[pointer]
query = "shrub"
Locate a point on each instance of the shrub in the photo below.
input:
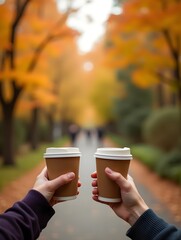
(161, 129)
(170, 166)
(133, 105)
(147, 154)
(133, 124)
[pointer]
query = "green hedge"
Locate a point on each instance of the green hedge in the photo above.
(162, 129)
(170, 166)
(149, 155)
(167, 165)
(133, 124)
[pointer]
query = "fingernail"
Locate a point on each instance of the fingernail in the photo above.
(108, 170)
(70, 175)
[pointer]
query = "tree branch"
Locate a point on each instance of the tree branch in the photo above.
(18, 5)
(37, 53)
(45, 41)
(20, 13)
(20, 10)
(170, 44)
(1, 93)
(41, 47)
(178, 42)
(166, 80)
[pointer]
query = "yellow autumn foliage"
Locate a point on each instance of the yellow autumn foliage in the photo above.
(25, 78)
(104, 92)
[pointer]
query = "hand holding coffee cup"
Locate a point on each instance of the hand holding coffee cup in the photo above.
(117, 159)
(60, 161)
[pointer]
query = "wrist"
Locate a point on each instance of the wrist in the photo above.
(136, 213)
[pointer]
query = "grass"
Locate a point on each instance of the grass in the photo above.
(25, 162)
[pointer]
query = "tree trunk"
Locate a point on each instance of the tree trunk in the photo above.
(178, 79)
(160, 95)
(179, 99)
(8, 136)
(50, 128)
(173, 99)
(34, 136)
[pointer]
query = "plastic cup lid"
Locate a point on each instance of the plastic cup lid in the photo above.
(53, 152)
(114, 153)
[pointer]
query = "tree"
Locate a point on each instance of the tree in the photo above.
(133, 107)
(147, 35)
(18, 21)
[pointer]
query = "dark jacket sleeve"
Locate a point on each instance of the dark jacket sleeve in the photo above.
(150, 227)
(26, 218)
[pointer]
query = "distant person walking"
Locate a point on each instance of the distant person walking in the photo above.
(88, 133)
(100, 134)
(73, 132)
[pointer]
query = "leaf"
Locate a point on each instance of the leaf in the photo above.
(144, 79)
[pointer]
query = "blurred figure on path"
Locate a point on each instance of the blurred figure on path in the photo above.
(100, 135)
(73, 132)
(88, 133)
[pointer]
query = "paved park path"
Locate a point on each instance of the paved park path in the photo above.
(84, 219)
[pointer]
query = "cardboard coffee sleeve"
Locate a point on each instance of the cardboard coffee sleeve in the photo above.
(118, 159)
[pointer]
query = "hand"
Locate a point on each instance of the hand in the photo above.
(132, 206)
(48, 187)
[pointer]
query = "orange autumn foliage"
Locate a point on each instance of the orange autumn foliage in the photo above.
(147, 35)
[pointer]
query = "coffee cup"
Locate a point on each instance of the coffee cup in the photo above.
(118, 159)
(60, 161)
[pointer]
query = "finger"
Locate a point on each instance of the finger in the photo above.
(62, 180)
(123, 183)
(130, 178)
(94, 183)
(95, 191)
(94, 175)
(44, 172)
(95, 198)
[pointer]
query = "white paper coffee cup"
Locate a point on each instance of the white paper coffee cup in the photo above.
(118, 159)
(60, 161)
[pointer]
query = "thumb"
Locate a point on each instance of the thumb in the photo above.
(119, 179)
(61, 180)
